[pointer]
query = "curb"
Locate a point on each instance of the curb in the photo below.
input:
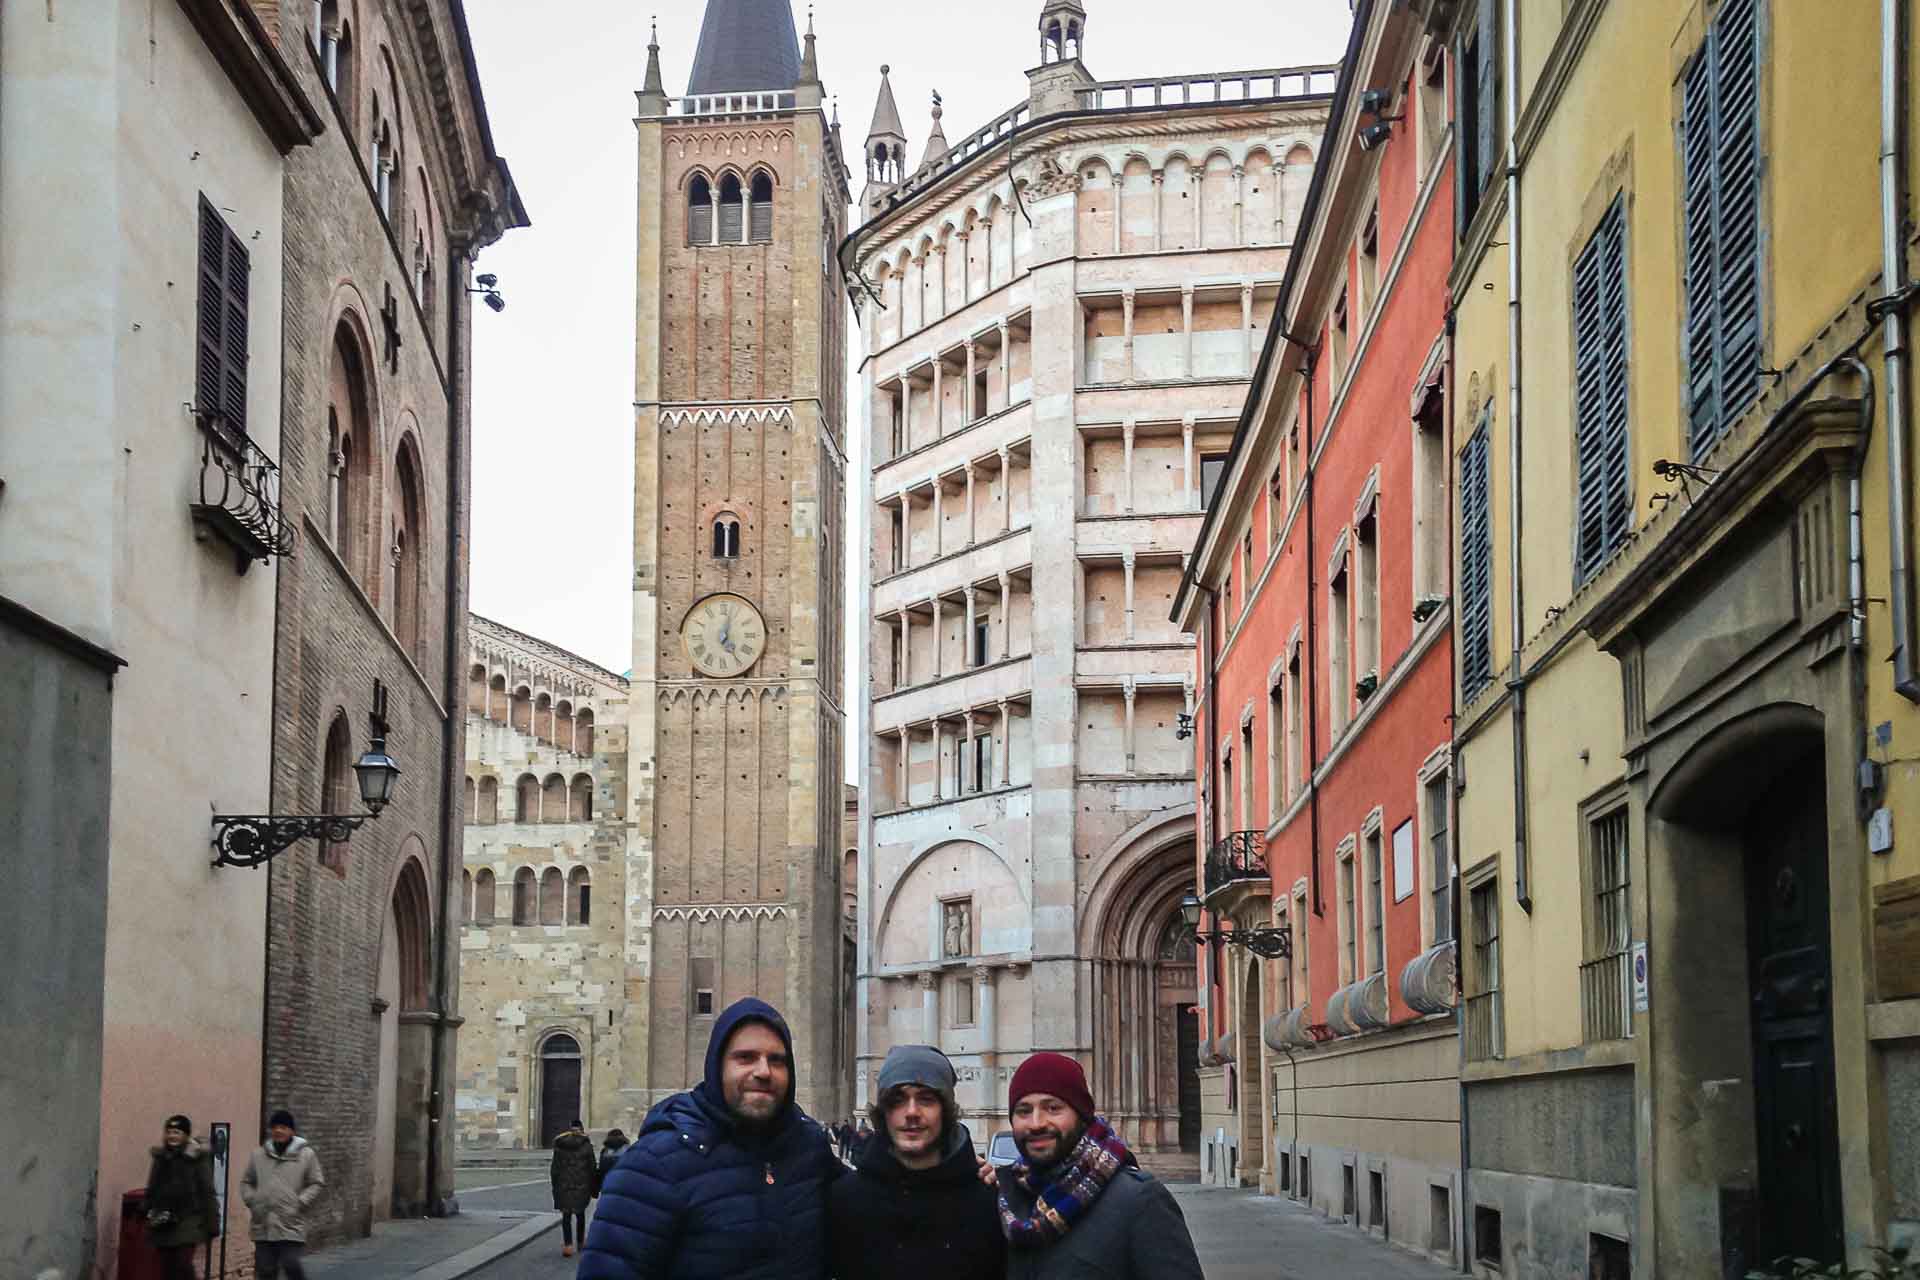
(491, 1250)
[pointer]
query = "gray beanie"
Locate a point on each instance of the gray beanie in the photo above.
(924, 1065)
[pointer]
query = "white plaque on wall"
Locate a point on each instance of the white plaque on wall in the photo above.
(1403, 861)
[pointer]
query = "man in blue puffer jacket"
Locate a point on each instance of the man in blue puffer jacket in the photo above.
(727, 1181)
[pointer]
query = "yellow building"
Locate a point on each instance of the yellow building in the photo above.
(1688, 812)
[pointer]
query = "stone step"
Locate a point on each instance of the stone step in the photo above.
(1172, 1166)
(501, 1158)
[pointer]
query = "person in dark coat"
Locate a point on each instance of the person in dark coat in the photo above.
(1077, 1204)
(610, 1149)
(727, 1181)
(182, 1211)
(573, 1173)
(916, 1207)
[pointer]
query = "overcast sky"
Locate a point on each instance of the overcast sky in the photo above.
(553, 374)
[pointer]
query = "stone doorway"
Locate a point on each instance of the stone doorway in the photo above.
(1189, 1058)
(559, 1086)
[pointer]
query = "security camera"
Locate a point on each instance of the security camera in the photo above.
(1374, 101)
(487, 281)
(494, 300)
(1375, 135)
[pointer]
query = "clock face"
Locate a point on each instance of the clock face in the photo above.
(724, 635)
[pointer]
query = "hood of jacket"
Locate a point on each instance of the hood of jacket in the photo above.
(572, 1141)
(294, 1148)
(957, 1161)
(191, 1149)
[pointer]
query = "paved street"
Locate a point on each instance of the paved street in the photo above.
(1240, 1236)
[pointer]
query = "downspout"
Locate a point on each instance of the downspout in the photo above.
(1510, 74)
(1856, 534)
(1893, 270)
(1453, 809)
(1312, 670)
(451, 737)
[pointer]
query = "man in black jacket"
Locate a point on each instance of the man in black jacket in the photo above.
(916, 1208)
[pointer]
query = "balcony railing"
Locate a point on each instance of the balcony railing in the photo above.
(239, 495)
(1223, 86)
(733, 104)
(1238, 856)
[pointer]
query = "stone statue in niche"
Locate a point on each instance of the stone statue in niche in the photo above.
(957, 941)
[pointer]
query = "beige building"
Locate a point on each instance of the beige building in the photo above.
(542, 958)
(736, 718)
(1061, 312)
(142, 162)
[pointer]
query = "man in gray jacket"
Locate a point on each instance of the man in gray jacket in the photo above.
(1078, 1204)
(281, 1183)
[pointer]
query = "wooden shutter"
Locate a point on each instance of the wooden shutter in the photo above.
(731, 213)
(699, 224)
(220, 375)
(1697, 227)
(1486, 86)
(1476, 563)
(760, 222)
(1600, 392)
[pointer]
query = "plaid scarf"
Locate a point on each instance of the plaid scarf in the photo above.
(1064, 1192)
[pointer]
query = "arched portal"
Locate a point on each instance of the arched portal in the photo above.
(560, 1062)
(403, 1089)
(1140, 997)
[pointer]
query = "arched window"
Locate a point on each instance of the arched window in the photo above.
(699, 211)
(583, 731)
(483, 900)
(466, 894)
(477, 689)
(336, 781)
(553, 897)
(580, 799)
(526, 799)
(579, 896)
(1051, 43)
(726, 536)
(413, 935)
(733, 227)
(525, 896)
(405, 554)
(472, 800)
(563, 725)
(760, 209)
(348, 431)
(489, 812)
(523, 709)
(1072, 49)
(553, 799)
(497, 701)
(543, 717)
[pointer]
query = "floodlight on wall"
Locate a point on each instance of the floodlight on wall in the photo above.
(489, 291)
(1375, 135)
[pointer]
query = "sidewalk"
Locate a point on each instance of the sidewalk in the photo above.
(1245, 1236)
(432, 1248)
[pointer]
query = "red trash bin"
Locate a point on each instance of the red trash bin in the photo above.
(138, 1259)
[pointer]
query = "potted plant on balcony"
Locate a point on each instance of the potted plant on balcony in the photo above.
(1366, 686)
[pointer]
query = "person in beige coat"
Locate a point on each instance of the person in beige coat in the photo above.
(282, 1182)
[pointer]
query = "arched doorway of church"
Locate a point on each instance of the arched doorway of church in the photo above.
(1251, 1078)
(403, 1085)
(559, 1085)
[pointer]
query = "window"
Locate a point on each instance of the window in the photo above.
(1213, 468)
(700, 972)
(1285, 971)
(1476, 563)
(1431, 75)
(1337, 335)
(1296, 702)
(979, 394)
(1246, 565)
(553, 897)
(894, 424)
(579, 896)
(336, 780)
(760, 219)
(1246, 810)
(1720, 181)
(220, 387)
(1439, 857)
(553, 799)
(897, 637)
(483, 897)
(1376, 906)
(1605, 511)
(489, 811)
(1486, 1236)
(982, 761)
(1608, 1259)
(583, 732)
(580, 799)
(1277, 782)
(981, 628)
(1370, 260)
(1477, 114)
(1430, 534)
(1606, 986)
(404, 554)
(1484, 1033)
(1300, 971)
(526, 795)
(1366, 542)
(732, 223)
(726, 537)
(699, 211)
(899, 548)
(525, 896)
(960, 1002)
(1339, 656)
(1349, 921)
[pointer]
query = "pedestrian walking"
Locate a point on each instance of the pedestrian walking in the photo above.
(727, 1181)
(610, 1149)
(916, 1207)
(281, 1183)
(1077, 1203)
(573, 1172)
(182, 1212)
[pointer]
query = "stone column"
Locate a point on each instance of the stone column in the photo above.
(939, 524)
(1126, 560)
(1006, 490)
(938, 742)
(1006, 365)
(938, 669)
(1126, 487)
(983, 1018)
(970, 409)
(1187, 479)
(1186, 329)
(1128, 690)
(1239, 205)
(966, 761)
(906, 413)
(969, 658)
(972, 523)
(906, 647)
(906, 767)
(930, 1008)
(966, 269)
(1117, 182)
(1006, 616)
(1126, 309)
(1004, 765)
(1246, 327)
(939, 404)
(940, 272)
(1159, 179)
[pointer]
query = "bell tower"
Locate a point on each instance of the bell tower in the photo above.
(886, 149)
(1058, 83)
(739, 477)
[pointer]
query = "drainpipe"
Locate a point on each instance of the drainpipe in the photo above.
(1856, 537)
(1453, 822)
(1510, 73)
(1894, 344)
(451, 737)
(1312, 694)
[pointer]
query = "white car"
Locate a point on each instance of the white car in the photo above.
(1003, 1151)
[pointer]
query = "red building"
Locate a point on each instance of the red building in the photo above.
(1318, 592)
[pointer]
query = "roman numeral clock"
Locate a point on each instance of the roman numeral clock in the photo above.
(724, 635)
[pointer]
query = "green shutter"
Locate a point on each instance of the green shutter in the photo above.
(220, 372)
(1486, 86)
(1697, 226)
(1604, 511)
(1476, 563)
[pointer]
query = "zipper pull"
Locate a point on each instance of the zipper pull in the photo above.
(769, 1173)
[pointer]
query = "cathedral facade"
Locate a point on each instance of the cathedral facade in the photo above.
(736, 714)
(1060, 314)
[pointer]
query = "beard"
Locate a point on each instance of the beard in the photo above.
(754, 1119)
(1060, 1150)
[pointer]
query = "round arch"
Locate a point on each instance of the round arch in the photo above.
(920, 854)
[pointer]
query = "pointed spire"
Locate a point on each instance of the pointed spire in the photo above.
(937, 140)
(809, 62)
(745, 45)
(886, 116)
(654, 83)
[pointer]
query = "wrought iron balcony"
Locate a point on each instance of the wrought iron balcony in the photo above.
(1238, 856)
(239, 495)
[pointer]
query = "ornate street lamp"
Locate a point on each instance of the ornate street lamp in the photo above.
(253, 840)
(1268, 944)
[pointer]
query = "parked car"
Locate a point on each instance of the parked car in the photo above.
(1002, 1151)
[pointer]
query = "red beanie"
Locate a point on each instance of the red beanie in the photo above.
(1053, 1073)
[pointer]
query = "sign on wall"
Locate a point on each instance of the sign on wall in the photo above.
(1403, 861)
(1639, 977)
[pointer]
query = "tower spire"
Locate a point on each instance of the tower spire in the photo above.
(809, 62)
(886, 148)
(936, 140)
(653, 93)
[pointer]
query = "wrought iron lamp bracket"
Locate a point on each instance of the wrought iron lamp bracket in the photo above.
(1268, 944)
(253, 840)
